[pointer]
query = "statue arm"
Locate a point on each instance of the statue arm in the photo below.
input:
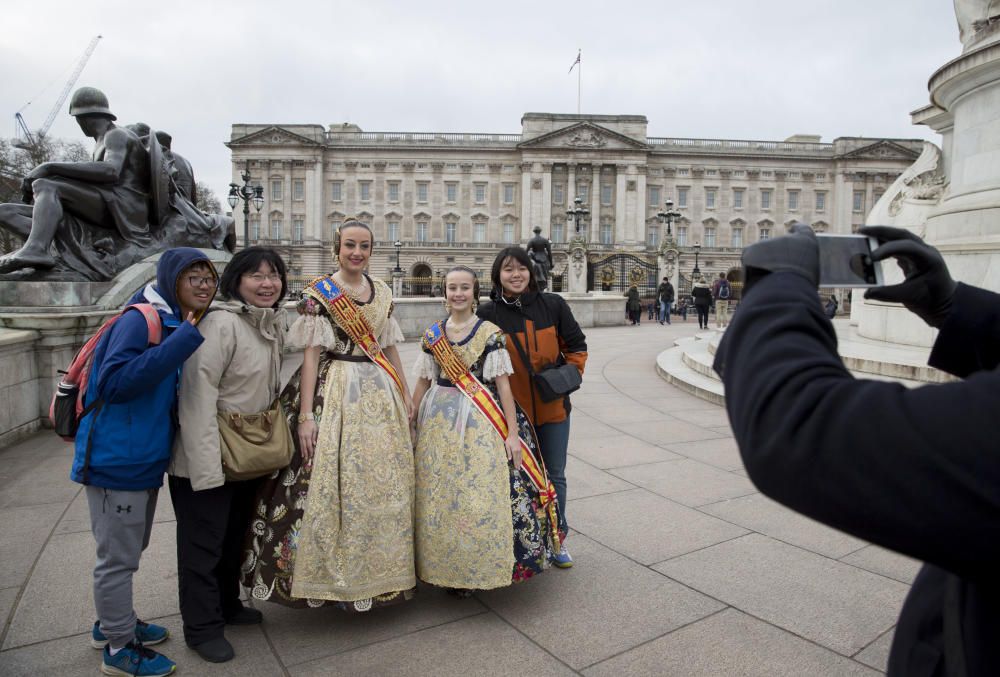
(107, 170)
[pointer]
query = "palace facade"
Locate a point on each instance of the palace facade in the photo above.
(457, 198)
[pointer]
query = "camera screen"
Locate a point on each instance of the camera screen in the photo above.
(844, 261)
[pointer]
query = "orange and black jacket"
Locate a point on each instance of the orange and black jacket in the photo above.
(548, 333)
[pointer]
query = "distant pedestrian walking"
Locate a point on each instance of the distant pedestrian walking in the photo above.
(665, 295)
(633, 306)
(722, 291)
(702, 295)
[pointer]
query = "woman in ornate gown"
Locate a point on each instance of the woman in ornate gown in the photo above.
(481, 522)
(336, 526)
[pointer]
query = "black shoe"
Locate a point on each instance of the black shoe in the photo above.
(245, 616)
(217, 650)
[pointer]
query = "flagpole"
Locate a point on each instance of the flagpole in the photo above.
(579, 79)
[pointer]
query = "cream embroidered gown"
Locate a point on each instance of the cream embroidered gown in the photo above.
(341, 531)
(479, 523)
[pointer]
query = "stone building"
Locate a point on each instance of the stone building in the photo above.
(456, 198)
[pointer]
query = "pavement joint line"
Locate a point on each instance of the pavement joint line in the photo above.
(9, 621)
(704, 547)
(858, 550)
(892, 628)
(731, 498)
(655, 639)
(271, 647)
(531, 640)
(83, 634)
(486, 610)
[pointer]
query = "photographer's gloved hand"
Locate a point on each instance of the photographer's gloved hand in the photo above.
(797, 252)
(928, 288)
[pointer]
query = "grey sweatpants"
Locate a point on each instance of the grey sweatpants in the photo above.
(121, 522)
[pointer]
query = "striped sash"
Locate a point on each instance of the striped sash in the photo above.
(346, 315)
(482, 399)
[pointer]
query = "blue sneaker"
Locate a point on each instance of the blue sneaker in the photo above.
(135, 659)
(562, 558)
(146, 633)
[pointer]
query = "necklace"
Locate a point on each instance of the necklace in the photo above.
(515, 302)
(459, 327)
(353, 291)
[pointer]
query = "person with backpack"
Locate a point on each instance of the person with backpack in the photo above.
(722, 291)
(665, 294)
(123, 446)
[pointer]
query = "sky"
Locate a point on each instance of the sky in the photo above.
(726, 69)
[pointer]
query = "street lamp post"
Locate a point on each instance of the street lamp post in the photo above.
(248, 193)
(668, 216)
(577, 212)
(697, 270)
(398, 245)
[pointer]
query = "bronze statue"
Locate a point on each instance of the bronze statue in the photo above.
(91, 220)
(540, 253)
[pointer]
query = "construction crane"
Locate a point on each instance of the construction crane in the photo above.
(24, 138)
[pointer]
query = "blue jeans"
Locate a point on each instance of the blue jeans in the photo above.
(665, 312)
(553, 440)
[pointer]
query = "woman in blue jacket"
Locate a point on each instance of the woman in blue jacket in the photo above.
(123, 447)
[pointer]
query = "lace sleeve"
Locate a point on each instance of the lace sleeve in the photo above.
(311, 330)
(497, 360)
(425, 367)
(391, 333)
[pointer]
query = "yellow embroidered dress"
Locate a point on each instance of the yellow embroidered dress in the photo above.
(342, 530)
(479, 524)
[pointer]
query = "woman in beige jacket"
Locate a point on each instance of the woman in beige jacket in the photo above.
(236, 369)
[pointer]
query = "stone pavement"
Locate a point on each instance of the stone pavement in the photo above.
(682, 568)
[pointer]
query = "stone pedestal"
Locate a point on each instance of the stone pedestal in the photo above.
(666, 261)
(577, 269)
(397, 284)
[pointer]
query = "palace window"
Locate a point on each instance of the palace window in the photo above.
(765, 233)
(558, 232)
(558, 196)
(653, 235)
(421, 231)
(739, 173)
(365, 190)
(654, 196)
(449, 232)
(393, 191)
(682, 197)
(451, 192)
(298, 189)
(738, 198)
(479, 232)
(793, 199)
(711, 172)
(583, 191)
(737, 239)
(508, 193)
(298, 230)
(508, 233)
(859, 200)
(254, 227)
(393, 227)
(480, 193)
(422, 191)
(709, 198)
(820, 200)
(336, 191)
(605, 233)
(276, 189)
(606, 191)
(709, 237)
(765, 199)
(683, 172)
(275, 229)
(682, 236)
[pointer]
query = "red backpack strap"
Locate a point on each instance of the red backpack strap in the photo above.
(153, 325)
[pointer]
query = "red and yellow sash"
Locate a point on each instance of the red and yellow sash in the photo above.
(347, 317)
(459, 374)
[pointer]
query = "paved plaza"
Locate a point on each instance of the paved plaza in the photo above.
(682, 568)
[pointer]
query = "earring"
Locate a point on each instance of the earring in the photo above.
(447, 306)
(475, 304)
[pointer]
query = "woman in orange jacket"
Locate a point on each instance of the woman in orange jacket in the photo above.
(541, 329)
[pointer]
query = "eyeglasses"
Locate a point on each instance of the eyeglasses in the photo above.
(260, 277)
(199, 281)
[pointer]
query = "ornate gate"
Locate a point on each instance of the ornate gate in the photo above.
(618, 272)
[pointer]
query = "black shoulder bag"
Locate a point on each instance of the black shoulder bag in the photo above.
(554, 381)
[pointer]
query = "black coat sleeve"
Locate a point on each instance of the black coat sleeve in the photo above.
(915, 470)
(970, 338)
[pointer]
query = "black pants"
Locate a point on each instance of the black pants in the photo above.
(702, 315)
(211, 529)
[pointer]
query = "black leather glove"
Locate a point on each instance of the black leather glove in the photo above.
(797, 252)
(928, 288)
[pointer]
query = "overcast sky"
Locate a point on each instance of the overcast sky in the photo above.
(725, 69)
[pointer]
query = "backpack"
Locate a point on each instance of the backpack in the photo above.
(67, 410)
(724, 290)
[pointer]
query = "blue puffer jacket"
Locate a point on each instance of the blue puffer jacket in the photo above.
(132, 432)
